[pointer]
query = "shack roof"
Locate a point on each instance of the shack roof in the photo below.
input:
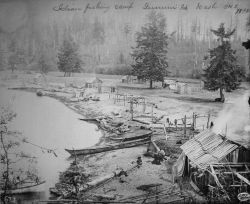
(207, 148)
(169, 81)
(94, 80)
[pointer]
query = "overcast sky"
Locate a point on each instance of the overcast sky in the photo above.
(16, 13)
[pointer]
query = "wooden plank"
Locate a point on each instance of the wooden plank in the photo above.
(240, 172)
(140, 121)
(242, 178)
(156, 147)
(218, 165)
(247, 168)
(235, 185)
(194, 186)
(164, 128)
(215, 177)
(217, 181)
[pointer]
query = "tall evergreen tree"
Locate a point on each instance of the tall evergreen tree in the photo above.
(98, 35)
(68, 58)
(150, 54)
(222, 72)
(247, 46)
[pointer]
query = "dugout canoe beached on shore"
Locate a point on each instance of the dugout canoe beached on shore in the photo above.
(30, 187)
(107, 147)
(133, 135)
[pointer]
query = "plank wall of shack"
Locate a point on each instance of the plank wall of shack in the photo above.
(237, 161)
(241, 154)
(204, 156)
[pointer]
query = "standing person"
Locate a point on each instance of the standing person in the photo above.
(139, 161)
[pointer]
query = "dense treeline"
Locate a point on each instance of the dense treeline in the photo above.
(105, 46)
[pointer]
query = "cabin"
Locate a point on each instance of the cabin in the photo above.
(171, 84)
(129, 79)
(214, 163)
(124, 79)
(183, 88)
(189, 88)
(93, 83)
(133, 79)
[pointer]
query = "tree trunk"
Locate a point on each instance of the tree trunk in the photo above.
(222, 97)
(4, 194)
(151, 84)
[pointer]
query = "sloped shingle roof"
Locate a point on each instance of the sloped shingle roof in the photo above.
(94, 80)
(207, 148)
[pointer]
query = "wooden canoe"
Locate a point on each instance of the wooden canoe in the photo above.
(89, 119)
(105, 148)
(26, 188)
(135, 135)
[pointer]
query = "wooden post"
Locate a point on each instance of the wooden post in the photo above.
(144, 106)
(131, 109)
(152, 112)
(99, 88)
(208, 120)
(195, 116)
(164, 128)
(185, 125)
(193, 122)
(156, 195)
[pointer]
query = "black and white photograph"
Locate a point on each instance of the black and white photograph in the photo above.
(124, 101)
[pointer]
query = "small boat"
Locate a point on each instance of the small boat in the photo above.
(107, 147)
(30, 187)
(135, 135)
(54, 191)
(88, 119)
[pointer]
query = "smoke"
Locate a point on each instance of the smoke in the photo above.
(234, 121)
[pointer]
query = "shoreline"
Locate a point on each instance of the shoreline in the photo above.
(68, 104)
(103, 164)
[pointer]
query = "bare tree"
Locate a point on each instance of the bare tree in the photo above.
(11, 156)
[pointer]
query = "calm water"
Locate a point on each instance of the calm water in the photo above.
(47, 122)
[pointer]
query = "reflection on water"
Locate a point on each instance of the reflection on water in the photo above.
(28, 198)
(48, 123)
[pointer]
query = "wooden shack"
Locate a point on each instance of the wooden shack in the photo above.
(93, 83)
(171, 84)
(215, 165)
(129, 79)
